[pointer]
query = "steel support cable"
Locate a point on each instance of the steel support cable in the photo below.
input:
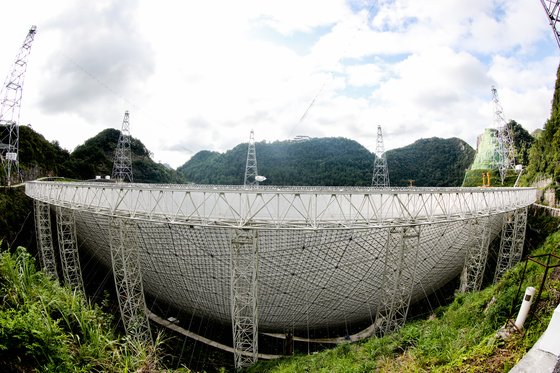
(304, 115)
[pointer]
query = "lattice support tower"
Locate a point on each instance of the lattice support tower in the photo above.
(475, 262)
(10, 105)
(511, 242)
(127, 274)
(401, 253)
(44, 237)
(552, 9)
(68, 247)
(122, 165)
(380, 171)
(505, 157)
(251, 166)
(244, 305)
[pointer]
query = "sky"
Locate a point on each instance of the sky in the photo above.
(199, 75)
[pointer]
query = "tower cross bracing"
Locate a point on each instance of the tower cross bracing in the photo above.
(477, 255)
(552, 9)
(10, 104)
(512, 240)
(401, 255)
(251, 165)
(380, 170)
(44, 237)
(68, 248)
(122, 165)
(127, 274)
(505, 154)
(244, 303)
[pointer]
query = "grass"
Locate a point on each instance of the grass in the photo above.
(48, 328)
(460, 337)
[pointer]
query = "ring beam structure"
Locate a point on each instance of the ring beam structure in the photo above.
(321, 250)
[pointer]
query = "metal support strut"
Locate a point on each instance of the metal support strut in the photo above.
(399, 270)
(512, 240)
(475, 262)
(128, 279)
(244, 305)
(44, 237)
(68, 246)
(380, 177)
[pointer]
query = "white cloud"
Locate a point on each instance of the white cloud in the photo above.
(200, 75)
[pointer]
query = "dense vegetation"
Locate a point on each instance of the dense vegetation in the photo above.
(95, 157)
(16, 220)
(334, 161)
(545, 153)
(38, 158)
(460, 337)
(430, 162)
(48, 328)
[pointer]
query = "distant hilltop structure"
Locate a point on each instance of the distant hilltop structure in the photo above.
(301, 138)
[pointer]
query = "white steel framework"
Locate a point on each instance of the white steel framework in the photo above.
(128, 278)
(475, 263)
(401, 255)
(251, 165)
(380, 171)
(244, 303)
(552, 9)
(10, 104)
(321, 250)
(68, 247)
(512, 240)
(44, 237)
(505, 157)
(122, 165)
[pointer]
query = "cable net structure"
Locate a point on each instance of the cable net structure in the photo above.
(271, 259)
(10, 104)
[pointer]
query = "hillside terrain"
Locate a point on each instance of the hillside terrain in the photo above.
(430, 162)
(334, 162)
(39, 157)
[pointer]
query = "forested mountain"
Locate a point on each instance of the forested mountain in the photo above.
(334, 161)
(544, 156)
(430, 162)
(95, 157)
(38, 157)
(317, 161)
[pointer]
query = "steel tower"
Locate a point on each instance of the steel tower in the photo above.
(251, 166)
(380, 170)
(10, 103)
(505, 157)
(122, 166)
(552, 9)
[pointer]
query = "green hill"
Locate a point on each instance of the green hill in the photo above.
(544, 156)
(95, 157)
(430, 162)
(334, 161)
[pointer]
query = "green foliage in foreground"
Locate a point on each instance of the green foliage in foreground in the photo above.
(48, 328)
(456, 338)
